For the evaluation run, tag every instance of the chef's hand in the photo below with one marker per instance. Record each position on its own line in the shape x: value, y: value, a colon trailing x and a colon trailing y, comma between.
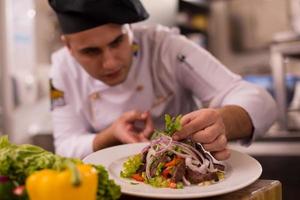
x: 206, y: 127
x: 124, y: 128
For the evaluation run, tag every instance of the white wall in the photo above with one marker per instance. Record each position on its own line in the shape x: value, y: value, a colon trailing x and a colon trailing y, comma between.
x: 161, y: 11
x: 21, y: 45
x: 20, y: 67
x: 5, y: 86
x: 1, y: 65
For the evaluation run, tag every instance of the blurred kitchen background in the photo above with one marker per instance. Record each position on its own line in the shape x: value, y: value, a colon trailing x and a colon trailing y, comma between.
x: 258, y: 39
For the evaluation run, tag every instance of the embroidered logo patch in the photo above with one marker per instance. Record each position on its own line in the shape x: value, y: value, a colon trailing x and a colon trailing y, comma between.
x: 56, y: 96
x: 135, y: 48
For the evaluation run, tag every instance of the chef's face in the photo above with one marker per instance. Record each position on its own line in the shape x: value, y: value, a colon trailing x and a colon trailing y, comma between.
x: 104, y: 52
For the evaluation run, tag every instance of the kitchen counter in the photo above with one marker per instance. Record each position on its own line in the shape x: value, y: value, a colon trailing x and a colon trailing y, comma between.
x: 259, y: 190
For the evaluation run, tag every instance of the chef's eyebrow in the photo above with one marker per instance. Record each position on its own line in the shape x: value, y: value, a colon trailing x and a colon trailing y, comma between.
x: 117, y: 40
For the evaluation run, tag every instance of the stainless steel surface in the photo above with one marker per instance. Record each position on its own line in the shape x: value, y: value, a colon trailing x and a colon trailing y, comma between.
x: 279, y: 52
x: 269, y: 148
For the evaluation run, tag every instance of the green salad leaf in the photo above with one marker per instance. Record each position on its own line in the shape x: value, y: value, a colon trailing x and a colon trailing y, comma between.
x: 172, y: 124
x: 20, y: 161
x: 131, y: 165
x: 158, y: 181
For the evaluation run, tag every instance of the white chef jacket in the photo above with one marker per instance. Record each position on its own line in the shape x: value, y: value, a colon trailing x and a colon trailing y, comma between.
x: 167, y: 74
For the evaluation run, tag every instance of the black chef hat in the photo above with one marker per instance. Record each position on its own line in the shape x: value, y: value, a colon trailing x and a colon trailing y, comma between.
x: 79, y: 15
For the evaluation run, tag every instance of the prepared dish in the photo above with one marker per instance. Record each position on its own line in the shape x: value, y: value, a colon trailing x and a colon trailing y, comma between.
x: 173, y: 164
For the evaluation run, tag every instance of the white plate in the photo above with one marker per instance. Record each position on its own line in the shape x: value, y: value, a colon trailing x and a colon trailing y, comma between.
x: 241, y: 171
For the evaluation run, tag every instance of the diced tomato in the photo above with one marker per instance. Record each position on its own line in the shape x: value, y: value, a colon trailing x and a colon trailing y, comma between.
x: 166, y: 172
x: 172, y: 185
x: 137, y: 177
x: 173, y: 162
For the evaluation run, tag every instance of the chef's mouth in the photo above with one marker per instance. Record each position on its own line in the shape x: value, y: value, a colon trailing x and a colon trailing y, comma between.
x: 114, y: 74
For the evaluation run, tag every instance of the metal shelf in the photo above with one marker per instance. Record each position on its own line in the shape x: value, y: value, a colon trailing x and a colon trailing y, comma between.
x: 280, y: 51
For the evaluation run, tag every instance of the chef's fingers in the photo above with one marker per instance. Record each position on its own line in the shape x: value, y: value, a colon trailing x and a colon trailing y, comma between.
x: 133, y: 115
x: 197, y: 121
x: 221, y: 155
x: 218, y: 144
x: 149, y: 127
x: 209, y: 134
x: 130, y: 137
x: 142, y: 138
x: 188, y: 118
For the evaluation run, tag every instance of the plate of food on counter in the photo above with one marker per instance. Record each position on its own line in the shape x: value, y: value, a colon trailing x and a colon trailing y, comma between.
x: 165, y: 168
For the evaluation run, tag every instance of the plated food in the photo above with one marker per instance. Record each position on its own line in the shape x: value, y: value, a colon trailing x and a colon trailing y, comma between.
x: 172, y: 164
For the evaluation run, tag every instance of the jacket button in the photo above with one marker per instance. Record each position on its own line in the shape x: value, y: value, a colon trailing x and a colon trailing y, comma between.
x: 139, y: 88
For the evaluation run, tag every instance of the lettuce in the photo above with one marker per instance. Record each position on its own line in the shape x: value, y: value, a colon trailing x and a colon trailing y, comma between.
x: 107, y: 189
x: 158, y: 181
x: 131, y: 166
x: 20, y: 161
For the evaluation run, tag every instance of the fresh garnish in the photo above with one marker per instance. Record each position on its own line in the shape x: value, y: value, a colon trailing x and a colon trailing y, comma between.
x: 172, y: 124
x: 172, y: 164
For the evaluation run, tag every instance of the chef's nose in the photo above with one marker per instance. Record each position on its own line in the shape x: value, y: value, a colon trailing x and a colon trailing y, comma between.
x: 109, y: 61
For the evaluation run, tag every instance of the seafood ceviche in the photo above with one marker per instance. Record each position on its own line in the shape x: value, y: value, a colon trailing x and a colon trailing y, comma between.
x: 173, y: 164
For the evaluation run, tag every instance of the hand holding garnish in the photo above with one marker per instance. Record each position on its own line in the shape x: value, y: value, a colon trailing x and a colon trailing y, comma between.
x: 173, y: 164
x: 205, y: 126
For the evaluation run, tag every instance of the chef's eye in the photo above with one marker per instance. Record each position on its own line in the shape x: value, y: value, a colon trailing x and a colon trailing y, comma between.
x: 117, y: 41
x: 90, y: 51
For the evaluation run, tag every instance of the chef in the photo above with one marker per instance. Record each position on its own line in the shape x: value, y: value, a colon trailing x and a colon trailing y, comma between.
x: 112, y: 83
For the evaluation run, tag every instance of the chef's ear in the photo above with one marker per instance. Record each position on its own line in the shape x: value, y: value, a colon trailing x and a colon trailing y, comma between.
x: 65, y: 40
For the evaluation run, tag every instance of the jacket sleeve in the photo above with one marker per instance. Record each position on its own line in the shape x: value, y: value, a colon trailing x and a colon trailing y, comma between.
x: 70, y: 129
x: 216, y: 86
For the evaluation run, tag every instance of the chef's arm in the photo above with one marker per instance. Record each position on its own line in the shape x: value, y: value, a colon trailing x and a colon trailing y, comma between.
x: 104, y: 139
x: 237, y: 122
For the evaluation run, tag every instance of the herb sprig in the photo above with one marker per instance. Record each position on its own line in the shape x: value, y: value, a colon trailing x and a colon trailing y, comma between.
x: 172, y: 124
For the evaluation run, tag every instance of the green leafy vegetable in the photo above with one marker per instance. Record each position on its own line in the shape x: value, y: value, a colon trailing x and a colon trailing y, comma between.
x: 179, y: 185
x: 6, y: 190
x: 131, y: 166
x: 20, y: 161
x: 172, y: 124
x: 159, y: 169
x: 107, y: 189
x: 158, y: 181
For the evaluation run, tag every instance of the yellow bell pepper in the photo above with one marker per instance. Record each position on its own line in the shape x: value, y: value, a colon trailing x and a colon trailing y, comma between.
x: 74, y: 183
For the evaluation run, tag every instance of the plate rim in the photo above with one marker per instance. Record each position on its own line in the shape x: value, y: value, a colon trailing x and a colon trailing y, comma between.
x: 175, y: 196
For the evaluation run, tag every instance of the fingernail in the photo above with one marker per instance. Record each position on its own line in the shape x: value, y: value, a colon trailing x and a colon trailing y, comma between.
x: 144, y: 115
